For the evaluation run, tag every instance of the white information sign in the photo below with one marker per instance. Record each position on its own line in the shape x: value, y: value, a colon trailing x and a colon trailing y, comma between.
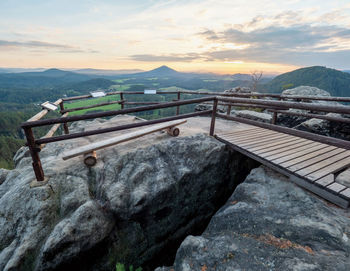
x: 96, y: 94
x: 150, y: 91
x: 49, y: 106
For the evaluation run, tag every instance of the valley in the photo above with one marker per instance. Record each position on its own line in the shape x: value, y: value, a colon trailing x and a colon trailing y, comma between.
x: 21, y: 93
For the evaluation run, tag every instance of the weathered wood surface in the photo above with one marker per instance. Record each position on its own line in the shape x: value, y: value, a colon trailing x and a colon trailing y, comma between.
x: 308, y: 163
x: 90, y: 159
x: 119, y: 139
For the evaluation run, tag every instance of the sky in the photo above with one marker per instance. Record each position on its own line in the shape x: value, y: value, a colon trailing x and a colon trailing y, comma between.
x: 221, y: 36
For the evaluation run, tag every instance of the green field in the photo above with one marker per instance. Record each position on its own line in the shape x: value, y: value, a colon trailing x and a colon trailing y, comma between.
x: 81, y: 103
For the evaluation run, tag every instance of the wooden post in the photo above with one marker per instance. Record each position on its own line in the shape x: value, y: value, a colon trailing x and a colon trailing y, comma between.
x: 213, y: 116
x: 274, y: 116
x: 228, y: 110
x: 122, y: 98
x: 178, y: 107
x: 65, y: 125
x: 34, y: 151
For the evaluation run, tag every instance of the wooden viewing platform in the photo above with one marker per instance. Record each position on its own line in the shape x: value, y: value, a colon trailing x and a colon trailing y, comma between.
x: 310, y: 160
x: 308, y: 163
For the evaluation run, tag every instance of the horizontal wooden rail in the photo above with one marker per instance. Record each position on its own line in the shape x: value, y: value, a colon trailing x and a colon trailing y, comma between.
x: 43, y: 112
x: 114, y: 93
x: 246, y: 105
x: 310, y: 115
x: 121, y: 127
x: 271, y: 95
x: 114, y: 112
x: 287, y: 105
x: 315, y: 137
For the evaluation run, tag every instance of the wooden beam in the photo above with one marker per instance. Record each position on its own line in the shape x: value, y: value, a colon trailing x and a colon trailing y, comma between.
x: 119, y: 139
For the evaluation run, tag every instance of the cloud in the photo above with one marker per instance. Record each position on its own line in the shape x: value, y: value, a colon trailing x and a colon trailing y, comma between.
x: 298, y: 44
x: 167, y: 58
x: 34, y: 44
x: 40, y: 45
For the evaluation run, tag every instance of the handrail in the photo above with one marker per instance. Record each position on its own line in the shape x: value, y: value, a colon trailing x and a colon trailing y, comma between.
x: 120, y: 127
x: 227, y: 99
x: 113, y: 112
x: 288, y: 105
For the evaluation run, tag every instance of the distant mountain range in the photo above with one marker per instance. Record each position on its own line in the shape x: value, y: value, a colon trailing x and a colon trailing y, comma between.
x: 102, y: 72
x: 337, y: 83
x: 334, y: 81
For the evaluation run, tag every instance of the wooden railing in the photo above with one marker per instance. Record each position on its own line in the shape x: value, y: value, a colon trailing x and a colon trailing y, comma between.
x: 279, y: 105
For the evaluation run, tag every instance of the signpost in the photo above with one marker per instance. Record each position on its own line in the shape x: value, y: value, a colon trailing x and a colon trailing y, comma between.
x: 49, y: 106
x: 97, y: 94
x: 150, y: 91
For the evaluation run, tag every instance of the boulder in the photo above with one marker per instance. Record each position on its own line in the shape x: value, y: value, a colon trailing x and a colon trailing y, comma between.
x: 270, y: 224
x: 135, y: 206
x: 239, y: 90
x: 253, y: 115
x: 319, y: 126
x: 344, y: 177
x: 204, y: 107
x: 3, y: 174
x: 309, y: 91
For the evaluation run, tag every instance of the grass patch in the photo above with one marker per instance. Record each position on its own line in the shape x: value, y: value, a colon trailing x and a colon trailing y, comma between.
x: 87, y: 102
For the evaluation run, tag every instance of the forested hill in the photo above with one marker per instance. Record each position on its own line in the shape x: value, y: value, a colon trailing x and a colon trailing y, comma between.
x: 334, y: 81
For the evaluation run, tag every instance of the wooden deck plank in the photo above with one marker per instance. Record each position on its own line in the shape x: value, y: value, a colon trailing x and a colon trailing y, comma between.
x: 312, y: 161
x: 252, y: 137
x: 296, y: 158
x: 308, y: 163
x: 275, y: 145
x: 322, y: 164
x: 247, y: 136
x: 240, y: 132
x: 281, y: 150
x: 293, y: 151
x: 339, y: 199
x: 336, y: 187
x: 329, y: 169
x: 326, y: 180
x: 258, y: 140
x: 345, y: 193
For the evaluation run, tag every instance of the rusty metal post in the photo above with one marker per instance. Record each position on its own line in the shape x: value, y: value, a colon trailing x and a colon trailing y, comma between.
x: 34, y: 151
x: 274, y: 116
x: 178, y: 107
x: 213, y: 116
x: 65, y: 125
x: 122, y: 98
x: 228, y: 110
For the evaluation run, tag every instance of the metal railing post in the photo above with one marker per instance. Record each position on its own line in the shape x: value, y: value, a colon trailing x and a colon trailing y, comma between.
x: 213, y: 116
x: 34, y: 151
x: 65, y: 125
x: 228, y: 110
x: 274, y: 116
x: 121, y: 98
x: 178, y: 107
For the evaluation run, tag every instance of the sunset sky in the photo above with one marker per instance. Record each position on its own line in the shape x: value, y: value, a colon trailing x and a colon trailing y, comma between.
x: 222, y: 36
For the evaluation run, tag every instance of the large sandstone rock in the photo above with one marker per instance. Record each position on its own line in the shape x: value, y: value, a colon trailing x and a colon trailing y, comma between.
x: 133, y: 207
x: 344, y: 177
x: 309, y: 91
x: 3, y: 174
x: 270, y: 224
x: 238, y: 90
x: 319, y: 126
x: 253, y: 115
